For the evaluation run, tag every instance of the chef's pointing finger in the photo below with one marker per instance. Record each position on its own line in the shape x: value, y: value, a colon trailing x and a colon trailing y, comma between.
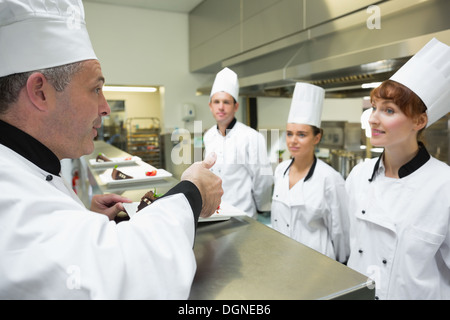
x: 210, y: 160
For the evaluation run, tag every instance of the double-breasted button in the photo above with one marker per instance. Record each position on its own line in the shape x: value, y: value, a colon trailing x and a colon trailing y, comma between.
x: 384, y: 261
x: 49, y: 178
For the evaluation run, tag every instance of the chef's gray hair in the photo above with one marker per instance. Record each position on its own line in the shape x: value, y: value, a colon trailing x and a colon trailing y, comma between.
x: 11, y: 85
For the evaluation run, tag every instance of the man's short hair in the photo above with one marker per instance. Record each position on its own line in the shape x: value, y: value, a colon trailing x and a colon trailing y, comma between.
x: 10, y: 85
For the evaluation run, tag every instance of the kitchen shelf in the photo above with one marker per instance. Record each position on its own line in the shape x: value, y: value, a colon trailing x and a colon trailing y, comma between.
x: 144, y: 139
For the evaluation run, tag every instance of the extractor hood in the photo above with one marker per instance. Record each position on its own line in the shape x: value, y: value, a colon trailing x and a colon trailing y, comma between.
x: 341, y: 56
x: 340, y: 75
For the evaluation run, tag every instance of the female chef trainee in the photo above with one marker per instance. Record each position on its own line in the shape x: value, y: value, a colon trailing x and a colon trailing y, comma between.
x: 399, y: 203
x: 51, y: 246
x: 309, y: 199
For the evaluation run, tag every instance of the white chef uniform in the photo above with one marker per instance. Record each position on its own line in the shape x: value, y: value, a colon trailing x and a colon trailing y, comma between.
x: 242, y: 162
x: 400, y: 228
x: 51, y: 247
x: 314, y: 210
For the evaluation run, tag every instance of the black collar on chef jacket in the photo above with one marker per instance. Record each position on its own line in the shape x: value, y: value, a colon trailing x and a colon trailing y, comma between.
x: 29, y: 148
x: 230, y: 126
x: 419, y: 160
x: 310, y: 172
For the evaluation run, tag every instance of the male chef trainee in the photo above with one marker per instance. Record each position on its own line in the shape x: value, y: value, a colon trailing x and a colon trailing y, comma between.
x: 51, y: 105
x: 242, y: 161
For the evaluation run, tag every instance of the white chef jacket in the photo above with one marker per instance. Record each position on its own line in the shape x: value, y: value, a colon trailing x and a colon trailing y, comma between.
x: 314, y: 210
x: 52, y: 247
x: 399, y: 234
x: 243, y: 166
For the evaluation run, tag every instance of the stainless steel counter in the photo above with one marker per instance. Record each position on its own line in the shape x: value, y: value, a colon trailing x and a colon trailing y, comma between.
x: 243, y: 259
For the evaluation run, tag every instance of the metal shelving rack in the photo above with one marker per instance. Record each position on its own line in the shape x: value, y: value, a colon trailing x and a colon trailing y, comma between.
x: 144, y: 139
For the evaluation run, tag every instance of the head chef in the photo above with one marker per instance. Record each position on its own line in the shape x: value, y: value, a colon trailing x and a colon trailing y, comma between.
x: 51, y: 245
x: 45, y: 48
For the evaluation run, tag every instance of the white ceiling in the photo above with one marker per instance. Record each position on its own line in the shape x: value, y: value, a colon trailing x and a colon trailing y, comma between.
x: 182, y: 6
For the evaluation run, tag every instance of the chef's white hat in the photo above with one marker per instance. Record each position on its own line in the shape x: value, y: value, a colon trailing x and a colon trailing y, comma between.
x: 226, y: 81
x: 306, y: 105
x: 42, y: 34
x: 365, y: 116
x: 427, y: 74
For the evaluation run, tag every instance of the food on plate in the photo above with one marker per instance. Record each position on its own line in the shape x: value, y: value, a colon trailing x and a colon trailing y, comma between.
x: 151, y: 173
x: 146, y: 200
x: 119, y: 175
x: 102, y: 158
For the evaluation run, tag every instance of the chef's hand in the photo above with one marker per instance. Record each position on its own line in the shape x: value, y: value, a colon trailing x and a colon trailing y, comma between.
x: 108, y: 204
x: 209, y: 185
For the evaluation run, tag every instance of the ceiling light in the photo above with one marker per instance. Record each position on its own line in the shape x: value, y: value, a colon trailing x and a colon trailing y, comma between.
x: 370, y: 85
x: 129, y: 89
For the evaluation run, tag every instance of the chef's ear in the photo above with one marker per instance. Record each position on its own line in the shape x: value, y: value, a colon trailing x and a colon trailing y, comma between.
x: 236, y: 106
x: 421, y: 121
x: 37, y: 89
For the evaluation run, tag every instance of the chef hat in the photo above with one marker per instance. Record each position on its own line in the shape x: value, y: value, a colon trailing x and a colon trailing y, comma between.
x: 226, y: 81
x: 427, y: 74
x: 42, y: 34
x: 306, y: 105
x: 365, y: 125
